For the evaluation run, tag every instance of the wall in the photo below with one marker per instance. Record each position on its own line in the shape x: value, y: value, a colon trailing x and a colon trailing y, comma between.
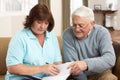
x: 17, y: 23
x: 56, y: 8
x: 5, y: 26
x: 9, y: 25
x: 117, y: 18
x: 114, y: 17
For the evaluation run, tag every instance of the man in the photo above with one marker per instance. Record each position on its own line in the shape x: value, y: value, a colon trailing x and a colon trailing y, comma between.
x: 88, y: 45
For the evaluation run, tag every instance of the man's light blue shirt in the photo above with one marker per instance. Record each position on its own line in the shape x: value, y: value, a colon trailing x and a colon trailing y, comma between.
x: 24, y: 48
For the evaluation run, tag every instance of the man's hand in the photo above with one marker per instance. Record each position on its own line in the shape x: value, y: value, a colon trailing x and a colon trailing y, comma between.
x: 77, y: 67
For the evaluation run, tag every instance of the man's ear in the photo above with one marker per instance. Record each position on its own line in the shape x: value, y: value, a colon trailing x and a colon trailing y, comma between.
x: 92, y: 23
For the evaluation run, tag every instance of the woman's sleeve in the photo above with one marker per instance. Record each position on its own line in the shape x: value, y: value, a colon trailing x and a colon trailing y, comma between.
x: 15, y: 52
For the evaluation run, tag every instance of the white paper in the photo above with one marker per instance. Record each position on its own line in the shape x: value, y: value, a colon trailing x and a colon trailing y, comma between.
x: 64, y: 72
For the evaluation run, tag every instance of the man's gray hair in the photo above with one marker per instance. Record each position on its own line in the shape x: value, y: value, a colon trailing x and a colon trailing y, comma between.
x: 84, y: 12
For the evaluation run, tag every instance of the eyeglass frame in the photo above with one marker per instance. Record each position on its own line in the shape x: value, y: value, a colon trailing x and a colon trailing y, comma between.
x: 79, y: 26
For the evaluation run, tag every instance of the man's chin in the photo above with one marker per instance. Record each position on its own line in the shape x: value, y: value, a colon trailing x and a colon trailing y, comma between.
x: 79, y: 36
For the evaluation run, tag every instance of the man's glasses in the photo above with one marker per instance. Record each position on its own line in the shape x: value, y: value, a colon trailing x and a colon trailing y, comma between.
x: 80, y: 26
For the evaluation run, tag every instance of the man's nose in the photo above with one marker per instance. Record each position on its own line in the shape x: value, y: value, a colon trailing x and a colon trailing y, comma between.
x: 77, y: 28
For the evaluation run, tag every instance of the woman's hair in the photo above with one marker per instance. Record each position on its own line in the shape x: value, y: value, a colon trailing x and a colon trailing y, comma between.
x: 40, y: 12
x: 84, y: 12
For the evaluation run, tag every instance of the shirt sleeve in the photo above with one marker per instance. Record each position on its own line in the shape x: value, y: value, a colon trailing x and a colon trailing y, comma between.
x: 15, y: 52
x: 70, y: 53
x: 58, y: 56
x: 106, y: 60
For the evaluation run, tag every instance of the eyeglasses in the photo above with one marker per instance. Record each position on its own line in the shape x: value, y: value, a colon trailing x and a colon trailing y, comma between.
x: 80, y: 26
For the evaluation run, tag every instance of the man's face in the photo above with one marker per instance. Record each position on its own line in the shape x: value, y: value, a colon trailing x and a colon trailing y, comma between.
x: 81, y: 26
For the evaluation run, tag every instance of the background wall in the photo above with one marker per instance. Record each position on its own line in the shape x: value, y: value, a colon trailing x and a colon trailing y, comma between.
x: 112, y: 20
x: 9, y: 25
x: 56, y: 8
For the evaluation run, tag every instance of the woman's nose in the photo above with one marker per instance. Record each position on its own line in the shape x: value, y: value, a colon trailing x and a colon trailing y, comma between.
x: 42, y: 25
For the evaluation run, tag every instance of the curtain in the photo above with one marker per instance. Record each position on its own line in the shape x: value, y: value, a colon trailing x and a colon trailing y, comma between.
x: 85, y: 2
x: 47, y: 2
x: 66, y: 14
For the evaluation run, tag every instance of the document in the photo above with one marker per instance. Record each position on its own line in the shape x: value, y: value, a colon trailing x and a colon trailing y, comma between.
x: 64, y: 72
x: 63, y: 75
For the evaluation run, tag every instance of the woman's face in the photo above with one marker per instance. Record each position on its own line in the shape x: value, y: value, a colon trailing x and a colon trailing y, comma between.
x: 39, y: 27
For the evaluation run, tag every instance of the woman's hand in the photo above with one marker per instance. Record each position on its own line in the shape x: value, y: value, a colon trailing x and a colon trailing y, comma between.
x: 51, y: 69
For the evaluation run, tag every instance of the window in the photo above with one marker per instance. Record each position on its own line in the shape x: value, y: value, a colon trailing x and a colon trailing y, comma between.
x: 16, y: 7
x: 74, y: 4
x: 68, y: 7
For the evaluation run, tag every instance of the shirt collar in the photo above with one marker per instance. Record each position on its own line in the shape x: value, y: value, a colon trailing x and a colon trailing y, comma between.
x: 89, y: 32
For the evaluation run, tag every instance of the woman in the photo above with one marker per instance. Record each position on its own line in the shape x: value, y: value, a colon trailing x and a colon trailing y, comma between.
x: 31, y: 49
